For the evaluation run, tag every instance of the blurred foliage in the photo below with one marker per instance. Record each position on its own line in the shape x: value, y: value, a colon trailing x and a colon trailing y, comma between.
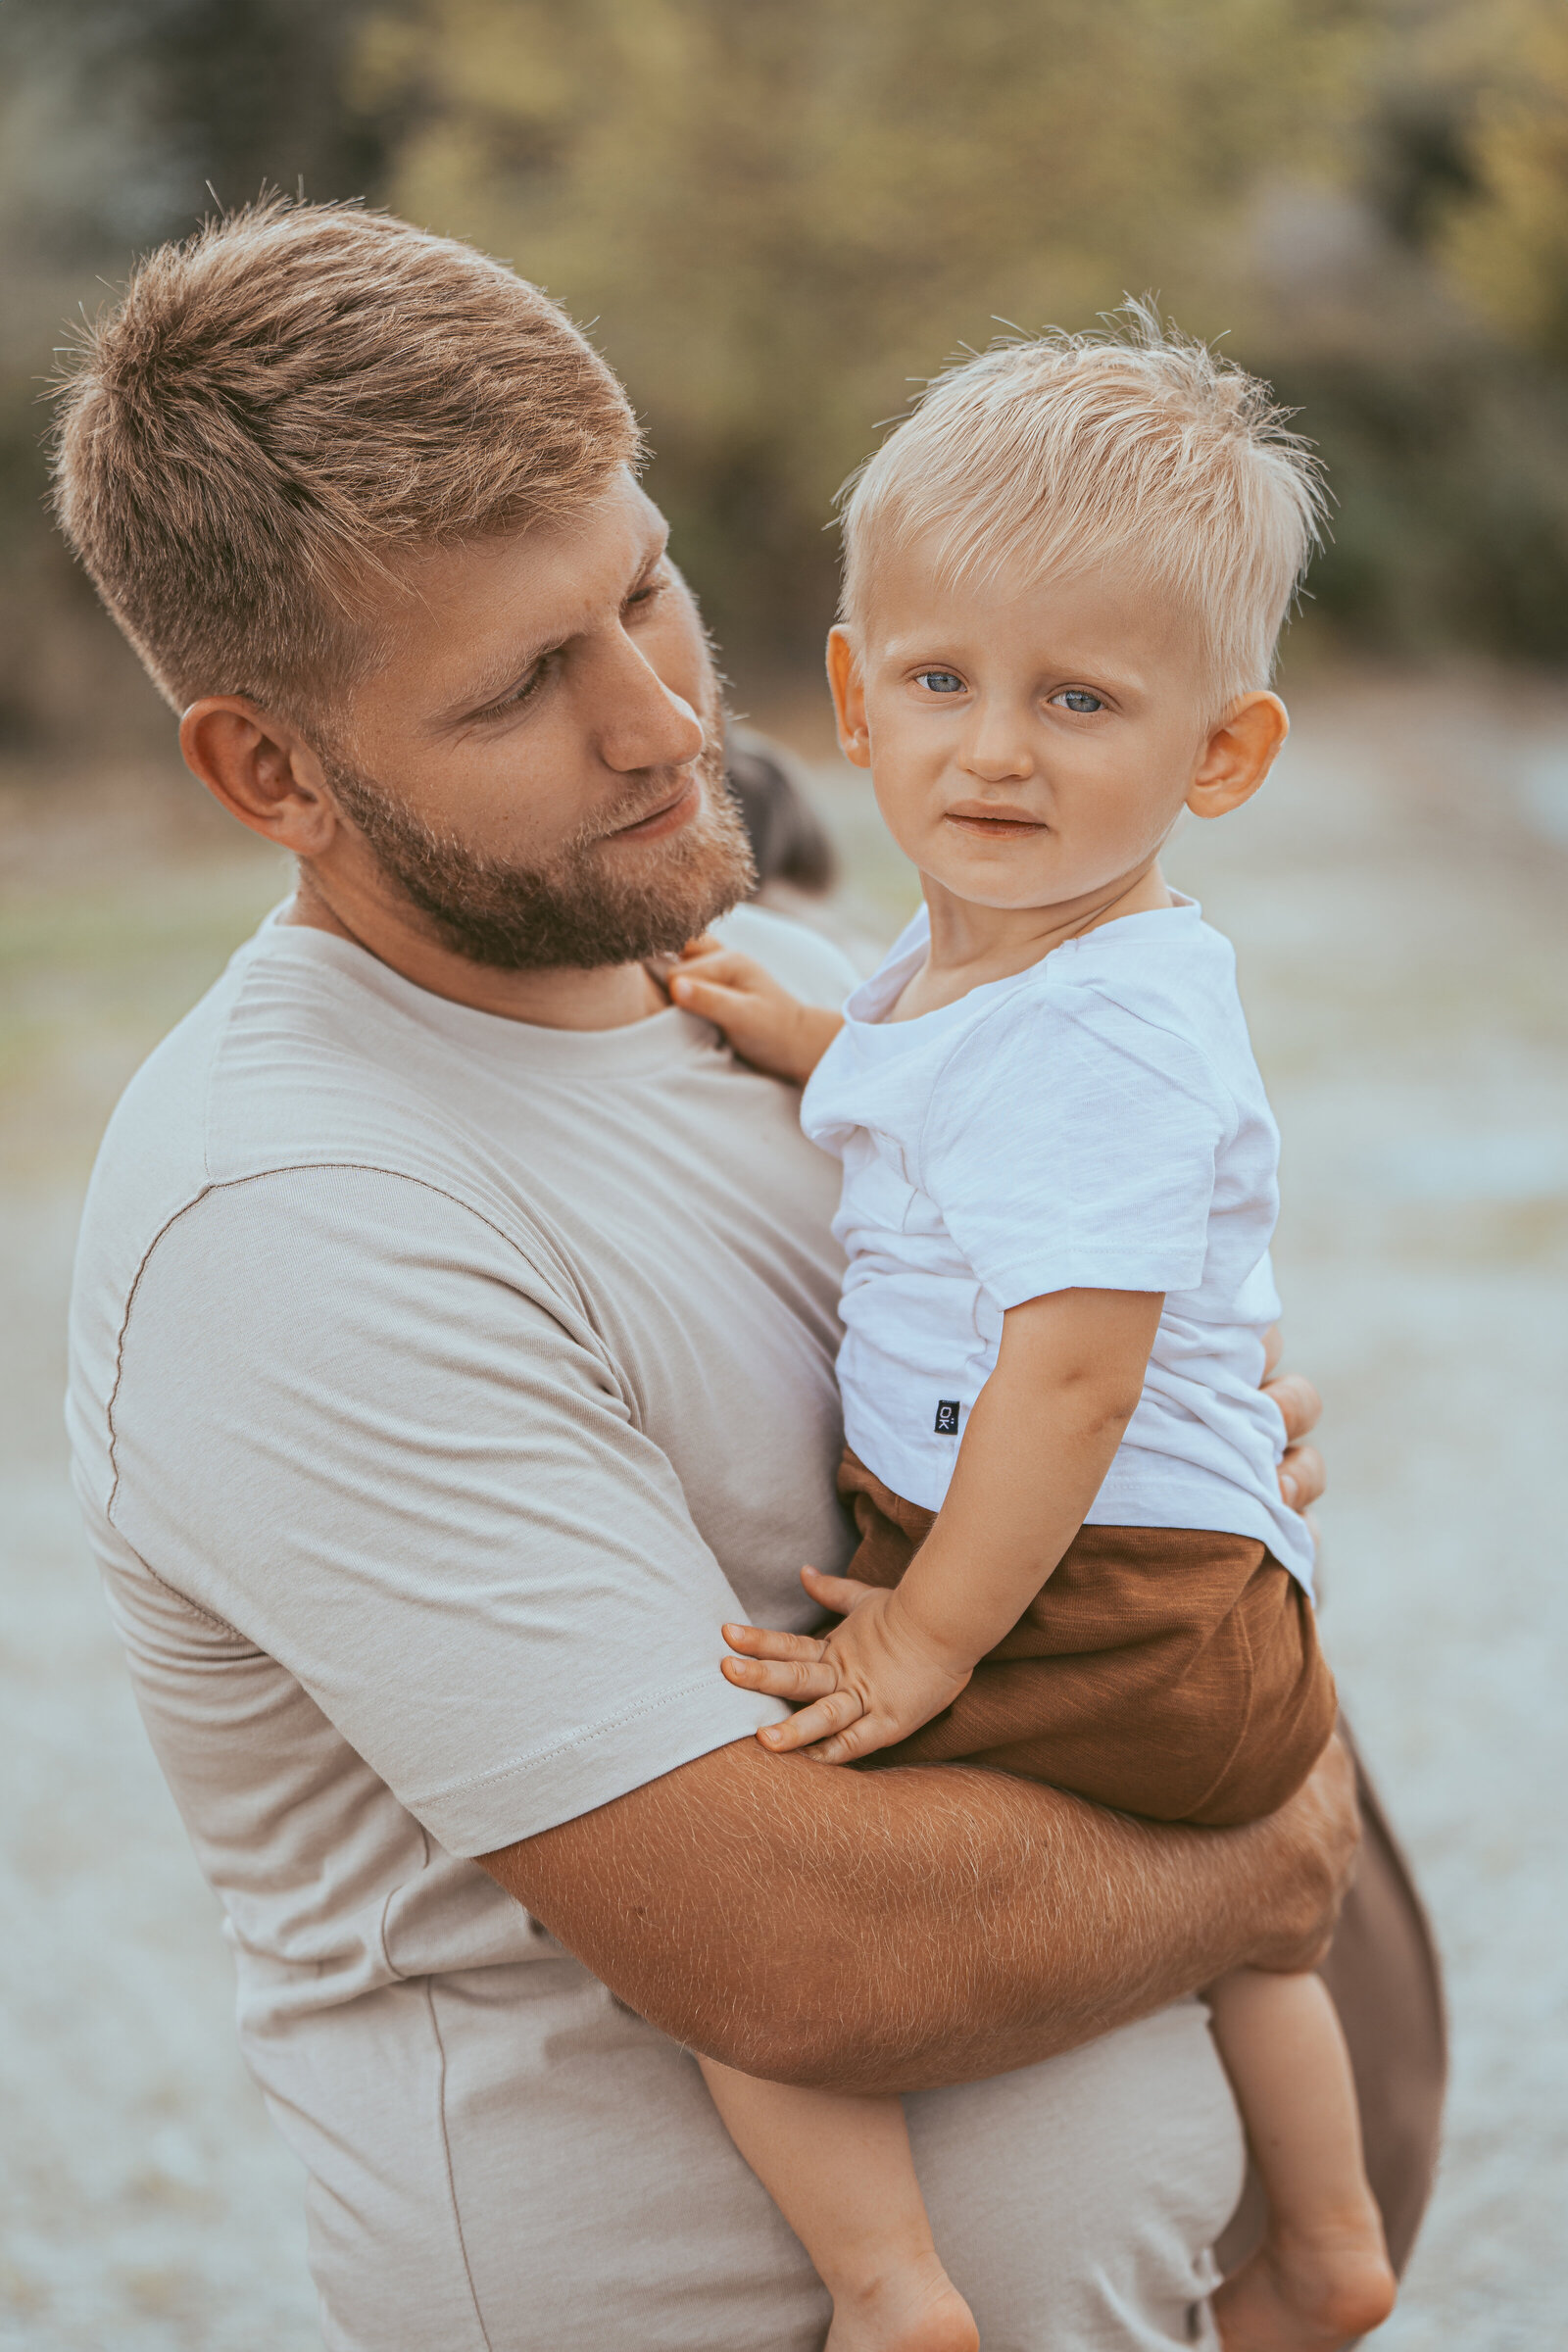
x: 777, y: 214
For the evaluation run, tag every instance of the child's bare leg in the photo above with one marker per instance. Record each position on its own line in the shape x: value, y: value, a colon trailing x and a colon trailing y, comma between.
x: 1322, y: 2277
x: 840, y: 2170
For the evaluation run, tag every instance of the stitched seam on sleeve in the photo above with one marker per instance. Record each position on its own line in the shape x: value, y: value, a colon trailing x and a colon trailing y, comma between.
x: 1181, y: 1037
x: 532, y: 1759
x: 192, y: 1608
x: 302, y: 1168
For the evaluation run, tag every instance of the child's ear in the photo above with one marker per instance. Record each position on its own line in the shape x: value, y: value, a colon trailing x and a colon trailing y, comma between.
x: 1238, y: 755
x: 847, y: 684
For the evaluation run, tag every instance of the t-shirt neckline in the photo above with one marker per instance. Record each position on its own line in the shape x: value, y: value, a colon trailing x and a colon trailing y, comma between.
x: 660, y: 1040
x: 870, y: 1002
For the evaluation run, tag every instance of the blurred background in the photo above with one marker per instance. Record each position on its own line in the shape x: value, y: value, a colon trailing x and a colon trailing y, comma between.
x: 776, y: 218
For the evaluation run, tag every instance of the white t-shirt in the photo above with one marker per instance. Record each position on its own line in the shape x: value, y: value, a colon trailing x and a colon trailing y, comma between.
x: 1095, y: 1122
x: 439, y: 1385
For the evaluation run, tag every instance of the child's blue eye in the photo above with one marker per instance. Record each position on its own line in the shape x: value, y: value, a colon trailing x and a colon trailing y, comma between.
x: 940, y: 681
x: 1076, y: 698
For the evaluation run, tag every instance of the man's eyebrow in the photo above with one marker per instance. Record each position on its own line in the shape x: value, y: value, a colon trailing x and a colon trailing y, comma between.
x: 477, y: 699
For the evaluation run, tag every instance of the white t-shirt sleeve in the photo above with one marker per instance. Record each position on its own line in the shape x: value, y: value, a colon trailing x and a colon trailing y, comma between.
x: 1071, y: 1145
x: 355, y: 1425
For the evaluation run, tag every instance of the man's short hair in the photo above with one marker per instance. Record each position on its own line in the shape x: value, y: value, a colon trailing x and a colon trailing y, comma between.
x: 280, y: 407
x: 1051, y: 454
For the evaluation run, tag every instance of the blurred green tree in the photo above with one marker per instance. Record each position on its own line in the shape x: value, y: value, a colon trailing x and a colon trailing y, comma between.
x: 777, y: 216
x: 118, y: 119
x: 1511, y: 245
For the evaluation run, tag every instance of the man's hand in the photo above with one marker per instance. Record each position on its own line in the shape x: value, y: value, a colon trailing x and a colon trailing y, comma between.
x: 1300, y: 1406
x: 1318, y: 1831
x: 766, y: 1026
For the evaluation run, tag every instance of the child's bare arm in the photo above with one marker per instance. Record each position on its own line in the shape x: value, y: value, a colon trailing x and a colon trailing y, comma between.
x: 766, y: 1026
x: 1040, y: 1439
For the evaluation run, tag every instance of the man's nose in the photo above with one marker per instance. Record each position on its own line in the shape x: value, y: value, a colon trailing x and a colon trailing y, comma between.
x: 644, y: 722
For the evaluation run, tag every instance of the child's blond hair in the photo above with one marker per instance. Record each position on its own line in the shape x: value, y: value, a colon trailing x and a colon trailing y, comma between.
x: 1051, y: 454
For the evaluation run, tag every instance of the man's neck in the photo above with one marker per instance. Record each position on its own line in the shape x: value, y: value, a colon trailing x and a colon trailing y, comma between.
x: 610, y: 997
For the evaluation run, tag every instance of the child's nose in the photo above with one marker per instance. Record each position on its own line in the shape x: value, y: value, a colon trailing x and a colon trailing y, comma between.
x: 998, y: 751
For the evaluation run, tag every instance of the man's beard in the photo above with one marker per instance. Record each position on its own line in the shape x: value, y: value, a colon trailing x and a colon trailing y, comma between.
x: 574, y: 910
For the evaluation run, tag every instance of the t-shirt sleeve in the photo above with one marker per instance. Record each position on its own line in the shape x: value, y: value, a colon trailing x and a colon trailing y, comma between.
x: 352, y: 1423
x: 1072, y: 1145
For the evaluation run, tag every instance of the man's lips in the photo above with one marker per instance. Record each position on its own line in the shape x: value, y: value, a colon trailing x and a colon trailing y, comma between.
x: 670, y: 815
x: 991, y: 823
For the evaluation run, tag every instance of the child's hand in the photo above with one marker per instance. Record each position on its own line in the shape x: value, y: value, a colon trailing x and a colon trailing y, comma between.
x: 766, y: 1026
x: 873, y: 1680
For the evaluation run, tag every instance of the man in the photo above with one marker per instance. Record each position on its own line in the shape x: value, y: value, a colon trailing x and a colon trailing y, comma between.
x: 451, y: 1352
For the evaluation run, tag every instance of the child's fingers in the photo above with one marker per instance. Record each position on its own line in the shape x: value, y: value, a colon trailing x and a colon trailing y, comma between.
x: 780, y: 1678
x: 839, y: 1594
x: 770, y: 1641
x: 835, y: 1713
x: 710, y: 1000
x: 843, y: 1747
x: 710, y: 961
x: 711, y: 964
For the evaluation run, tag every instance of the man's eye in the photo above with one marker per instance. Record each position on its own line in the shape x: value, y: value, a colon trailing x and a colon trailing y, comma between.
x: 526, y: 690
x: 1078, y: 698
x: 940, y: 681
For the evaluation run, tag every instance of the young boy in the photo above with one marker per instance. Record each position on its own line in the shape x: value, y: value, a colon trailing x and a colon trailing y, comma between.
x: 1066, y: 576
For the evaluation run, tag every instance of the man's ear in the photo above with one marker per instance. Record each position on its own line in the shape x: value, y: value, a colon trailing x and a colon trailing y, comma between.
x: 262, y: 770
x: 1239, y: 753
x: 847, y: 684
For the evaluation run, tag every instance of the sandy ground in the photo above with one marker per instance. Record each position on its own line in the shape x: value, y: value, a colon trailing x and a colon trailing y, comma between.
x: 1396, y: 900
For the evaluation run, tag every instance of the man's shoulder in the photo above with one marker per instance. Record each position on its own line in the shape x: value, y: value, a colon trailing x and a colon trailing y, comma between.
x: 292, y: 1056
x: 293, y: 1060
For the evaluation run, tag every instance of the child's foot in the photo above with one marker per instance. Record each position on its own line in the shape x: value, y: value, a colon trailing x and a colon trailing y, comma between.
x: 1309, y: 2292
x: 914, y: 2308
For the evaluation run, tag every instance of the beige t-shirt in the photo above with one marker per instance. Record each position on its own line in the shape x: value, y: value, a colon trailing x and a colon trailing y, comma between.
x: 438, y: 1385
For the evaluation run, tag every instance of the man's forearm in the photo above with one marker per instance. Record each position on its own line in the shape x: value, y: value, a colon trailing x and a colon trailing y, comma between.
x: 889, y: 1930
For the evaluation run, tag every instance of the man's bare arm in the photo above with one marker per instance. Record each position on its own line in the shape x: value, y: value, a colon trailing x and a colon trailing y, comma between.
x: 888, y: 1931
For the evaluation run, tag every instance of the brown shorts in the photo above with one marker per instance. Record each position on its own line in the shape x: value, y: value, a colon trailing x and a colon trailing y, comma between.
x: 1162, y: 1670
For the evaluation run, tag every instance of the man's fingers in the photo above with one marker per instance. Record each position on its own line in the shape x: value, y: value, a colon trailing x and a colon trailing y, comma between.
x: 781, y: 1678
x: 1302, y: 1476
x: 1300, y: 1406
x: 1322, y: 1829
x: 834, y: 1713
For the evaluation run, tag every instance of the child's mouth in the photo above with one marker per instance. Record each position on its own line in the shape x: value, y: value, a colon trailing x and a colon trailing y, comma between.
x: 994, y: 824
